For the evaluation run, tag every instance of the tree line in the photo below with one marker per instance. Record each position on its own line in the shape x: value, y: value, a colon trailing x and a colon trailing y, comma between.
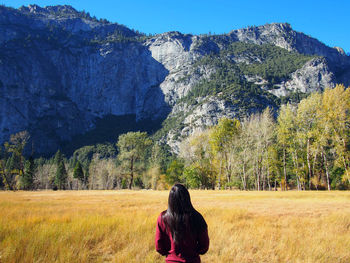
x: 304, y: 146
x: 307, y: 147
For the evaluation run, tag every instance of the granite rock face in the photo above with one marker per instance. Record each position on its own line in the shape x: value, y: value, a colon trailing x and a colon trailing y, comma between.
x: 207, y: 112
x: 315, y: 75
x: 61, y: 69
x: 282, y: 35
x: 57, y: 88
x: 177, y: 53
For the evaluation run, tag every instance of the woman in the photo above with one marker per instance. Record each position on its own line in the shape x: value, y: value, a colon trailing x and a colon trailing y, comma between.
x: 181, y: 233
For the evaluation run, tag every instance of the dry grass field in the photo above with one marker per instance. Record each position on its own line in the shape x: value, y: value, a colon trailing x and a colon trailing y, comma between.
x: 119, y: 226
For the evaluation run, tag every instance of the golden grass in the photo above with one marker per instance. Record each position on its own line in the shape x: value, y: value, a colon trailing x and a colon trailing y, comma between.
x: 119, y: 226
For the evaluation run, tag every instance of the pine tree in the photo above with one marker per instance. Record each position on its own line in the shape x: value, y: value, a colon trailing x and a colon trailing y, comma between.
x: 58, y: 157
x: 78, y: 172
x: 61, y: 173
x: 61, y: 176
x: 27, y: 179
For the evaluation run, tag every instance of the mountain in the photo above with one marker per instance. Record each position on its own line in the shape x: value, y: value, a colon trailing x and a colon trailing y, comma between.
x: 70, y: 79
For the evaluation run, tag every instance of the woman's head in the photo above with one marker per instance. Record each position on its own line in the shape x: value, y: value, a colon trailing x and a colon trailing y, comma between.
x: 181, y: 218
x: 179, y: 201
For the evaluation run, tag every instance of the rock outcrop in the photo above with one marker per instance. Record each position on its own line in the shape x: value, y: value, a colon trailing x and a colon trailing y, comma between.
x: 315, y: 75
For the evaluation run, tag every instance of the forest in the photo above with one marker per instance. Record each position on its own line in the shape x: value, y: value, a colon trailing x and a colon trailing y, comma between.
x: 303, y: 146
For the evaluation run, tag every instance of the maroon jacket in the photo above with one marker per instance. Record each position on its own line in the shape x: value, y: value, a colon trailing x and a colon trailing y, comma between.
x: 187, y: 251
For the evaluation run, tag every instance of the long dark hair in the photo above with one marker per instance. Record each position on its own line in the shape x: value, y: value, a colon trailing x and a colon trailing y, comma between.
x: 180, y: 217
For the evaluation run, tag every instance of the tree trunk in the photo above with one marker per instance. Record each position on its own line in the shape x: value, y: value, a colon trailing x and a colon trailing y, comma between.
x: 131, y: 172
x: 219, y: 179
x: 7, y: 181
x: 268, y: 178
x: 257, y: 176
x: 263, y: 179
x: 303, y: 183
x: 267, y: 169
x: 308, y: 162
x: 227, y: 169
x: 259, y: 172
x: 313, y: 165
x: 244, y: 177
x: 346, y: 169
x: 327, y: 173
x: 295, y: 161
x: 285, y: 169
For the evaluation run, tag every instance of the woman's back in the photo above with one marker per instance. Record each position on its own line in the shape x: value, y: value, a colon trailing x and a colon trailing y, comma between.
x: 181, y: 233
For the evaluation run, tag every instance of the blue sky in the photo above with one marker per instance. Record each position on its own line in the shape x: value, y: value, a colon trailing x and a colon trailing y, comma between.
x: 327, y: 21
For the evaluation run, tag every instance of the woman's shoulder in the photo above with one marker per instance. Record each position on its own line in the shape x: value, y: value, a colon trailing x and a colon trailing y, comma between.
x: 160, y: 220
x: 160, y: 217
x: 162, y: 213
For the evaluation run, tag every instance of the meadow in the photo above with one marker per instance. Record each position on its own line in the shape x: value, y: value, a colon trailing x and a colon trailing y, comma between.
x: 119, y: 226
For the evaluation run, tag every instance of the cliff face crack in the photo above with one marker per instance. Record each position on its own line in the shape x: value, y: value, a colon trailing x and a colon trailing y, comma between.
x: 18, y: 111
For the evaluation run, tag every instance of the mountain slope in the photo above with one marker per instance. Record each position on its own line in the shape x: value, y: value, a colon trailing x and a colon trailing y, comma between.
x: 62, y: 71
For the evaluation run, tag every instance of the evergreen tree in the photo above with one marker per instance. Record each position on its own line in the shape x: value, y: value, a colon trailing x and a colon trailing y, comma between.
x: 61, y: 176
x: 78, y: 172
x: 58, y: 157
x: 27, y: 179
x: 10, y: 173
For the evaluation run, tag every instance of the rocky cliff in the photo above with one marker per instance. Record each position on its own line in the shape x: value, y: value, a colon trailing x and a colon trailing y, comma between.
x: 61, y: 70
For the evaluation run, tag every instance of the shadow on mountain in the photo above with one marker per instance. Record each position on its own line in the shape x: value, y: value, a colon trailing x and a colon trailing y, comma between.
x: 107, y: 130
x: 132, y: 89
x: 57, y: 98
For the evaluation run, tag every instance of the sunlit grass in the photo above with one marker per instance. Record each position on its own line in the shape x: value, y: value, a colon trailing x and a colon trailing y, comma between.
x: 119, y: 226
